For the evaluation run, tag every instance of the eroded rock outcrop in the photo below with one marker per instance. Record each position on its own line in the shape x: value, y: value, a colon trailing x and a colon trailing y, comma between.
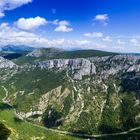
x: 4, y: 63
x: 78, y: 67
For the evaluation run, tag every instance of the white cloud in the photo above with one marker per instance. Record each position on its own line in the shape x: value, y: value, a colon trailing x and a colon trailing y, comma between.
x: 137, y: 45
x: 83, y: 42
x: 63, y: 26
x: 6, y: 5
x: 4, y: 25
x: 94, y: 34
x: 10, y: 35
x: 30, y: 23
x: 133, y: 41
x: 119, y: 48
x: 60, y: 22
x: 33, y: 23
x: 102, y: 18
x: 63, y: 29
x: 107, y: 39
x: 119, y: 42
x: 14, y: 36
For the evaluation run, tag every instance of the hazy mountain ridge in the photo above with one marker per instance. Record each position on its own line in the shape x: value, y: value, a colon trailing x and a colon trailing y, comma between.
x: 43, y: 54
x: 17, y: 49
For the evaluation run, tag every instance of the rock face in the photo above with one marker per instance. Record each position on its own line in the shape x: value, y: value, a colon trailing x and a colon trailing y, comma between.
x: 115, y: 64
x: 104, y: 66
x: 4, y: 63
x: 79, y: 67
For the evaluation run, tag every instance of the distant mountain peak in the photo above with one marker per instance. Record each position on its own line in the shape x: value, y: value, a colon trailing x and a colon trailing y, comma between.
x: 45, y: 52
x: 17, y: 48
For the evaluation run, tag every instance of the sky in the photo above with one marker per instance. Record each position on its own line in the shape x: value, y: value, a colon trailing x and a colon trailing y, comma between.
x: 110, y: 25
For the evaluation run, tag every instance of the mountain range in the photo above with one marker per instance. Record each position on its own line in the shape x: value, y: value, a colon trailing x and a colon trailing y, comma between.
x: 85, y: 93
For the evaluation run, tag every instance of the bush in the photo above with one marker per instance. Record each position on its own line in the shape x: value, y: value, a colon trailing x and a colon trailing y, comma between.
x: 52, y: 118
x: 4, y: 132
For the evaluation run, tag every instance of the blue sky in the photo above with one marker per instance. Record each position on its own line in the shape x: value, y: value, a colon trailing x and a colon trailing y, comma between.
x: 111, y: 25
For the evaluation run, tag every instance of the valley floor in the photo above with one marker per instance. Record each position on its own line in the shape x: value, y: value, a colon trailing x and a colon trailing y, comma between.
x: 25, y: 130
